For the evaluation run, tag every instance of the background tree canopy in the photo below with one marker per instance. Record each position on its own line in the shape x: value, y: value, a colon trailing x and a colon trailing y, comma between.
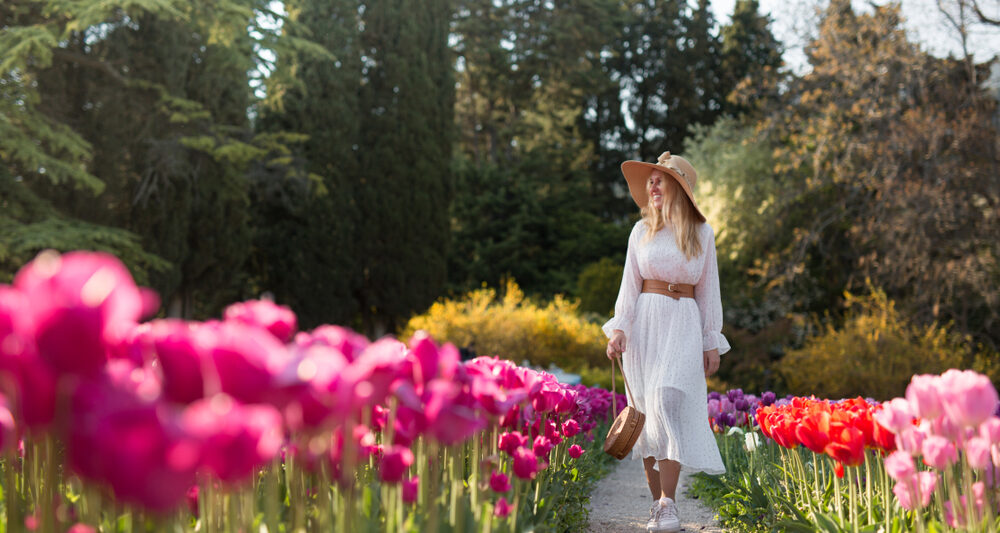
x: 358, y: 160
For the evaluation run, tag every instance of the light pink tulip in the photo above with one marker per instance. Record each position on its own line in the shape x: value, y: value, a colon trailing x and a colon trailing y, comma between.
x: 895, y: 415
x: 977, y: 452
x: 899, y: 465
x: 939, y: 452
x: 990, y: 429
x: 911, y: 440
x: 955, y: 514
x: 915, y: 492
x: 968, y: 397
x: 924, y: 397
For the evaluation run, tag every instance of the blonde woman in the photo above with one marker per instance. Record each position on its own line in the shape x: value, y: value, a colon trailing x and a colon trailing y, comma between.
x: 667, y: 328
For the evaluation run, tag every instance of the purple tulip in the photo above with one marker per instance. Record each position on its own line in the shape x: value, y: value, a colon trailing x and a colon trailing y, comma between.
x: 733, y: 394
x: 768, y: 398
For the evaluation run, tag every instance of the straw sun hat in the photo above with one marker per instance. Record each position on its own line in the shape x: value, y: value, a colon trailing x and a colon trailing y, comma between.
x: 637, y: 174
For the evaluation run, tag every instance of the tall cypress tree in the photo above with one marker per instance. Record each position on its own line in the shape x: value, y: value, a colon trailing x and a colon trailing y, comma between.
x: 306, y: 253
x: 407, y: 98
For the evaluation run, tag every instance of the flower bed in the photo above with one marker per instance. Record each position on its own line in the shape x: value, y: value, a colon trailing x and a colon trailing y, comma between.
x: 245, y: 422
x: 926, y: 462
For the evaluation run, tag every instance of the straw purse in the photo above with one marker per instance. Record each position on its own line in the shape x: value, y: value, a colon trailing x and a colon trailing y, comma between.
x: 628, y: 424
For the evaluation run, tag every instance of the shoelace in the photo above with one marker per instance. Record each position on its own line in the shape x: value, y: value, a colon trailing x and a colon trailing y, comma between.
x: 669, y: 511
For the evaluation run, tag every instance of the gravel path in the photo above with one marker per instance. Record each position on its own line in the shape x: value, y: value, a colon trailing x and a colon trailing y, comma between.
x: 621, y: 501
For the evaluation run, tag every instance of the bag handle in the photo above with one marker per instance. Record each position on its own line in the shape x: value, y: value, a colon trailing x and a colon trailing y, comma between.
x: 614, y: 395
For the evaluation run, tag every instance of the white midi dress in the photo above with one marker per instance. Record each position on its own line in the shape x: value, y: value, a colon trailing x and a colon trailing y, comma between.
x: 664, y: 341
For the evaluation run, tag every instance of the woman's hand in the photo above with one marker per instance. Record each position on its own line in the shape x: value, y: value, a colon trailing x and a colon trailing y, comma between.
x: 616, y: 344
x: 711, y: 361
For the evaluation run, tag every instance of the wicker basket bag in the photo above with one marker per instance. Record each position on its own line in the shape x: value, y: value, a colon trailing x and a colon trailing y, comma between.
x: 628, y: 424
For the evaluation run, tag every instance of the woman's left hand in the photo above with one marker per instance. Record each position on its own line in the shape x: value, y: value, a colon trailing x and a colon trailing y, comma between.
x: 711, y: 362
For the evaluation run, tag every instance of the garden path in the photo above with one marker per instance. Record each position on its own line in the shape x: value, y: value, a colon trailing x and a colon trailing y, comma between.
x: 620, y: 503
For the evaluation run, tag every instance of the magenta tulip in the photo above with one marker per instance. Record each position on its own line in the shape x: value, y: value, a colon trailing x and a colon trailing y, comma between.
x: 395, y: 462
x: 410, y: 489
x: 512, y: 440
x: 279, y: 320
x: 502, y: 508
x: 233, y: 439
x: 575, y: 451
x: 525, y: 464
x: 499, y: 482
x: 542, y: 446
x: 570, y: 428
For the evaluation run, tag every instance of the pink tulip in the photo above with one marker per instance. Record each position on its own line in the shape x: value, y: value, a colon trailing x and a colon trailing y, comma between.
x: 512, y: 440
x: 502, y: 508
x: 279, y: 320
x: 552, y: 432
x: 955, y: 514
x: 499, y: 482
x: 395, y: 462
x: 570, y: 428
x: 990, y: 430
x: 347, y: 342
x: 246, y: 360
x: 575, y: 451
x: 915, y: 492
x: 82, y: 305
x: 924, y: 397
x: 968, y: 397
x: 911, y: 440
x: 410, y: 489
x: 178, y: 346
x: 542, y: 446
x: 899, y: 465
x: 233, y: 439
x: 977, y: 452
x: 525, y: 464
x: 192, y: 500
x: 895, y: 415
x: 81, y: 528
x: 939, y: 452
x: 429, y: 361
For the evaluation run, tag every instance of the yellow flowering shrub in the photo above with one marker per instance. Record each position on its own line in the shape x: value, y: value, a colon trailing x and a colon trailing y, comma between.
x: 874, y: 354
x: 515, y: 327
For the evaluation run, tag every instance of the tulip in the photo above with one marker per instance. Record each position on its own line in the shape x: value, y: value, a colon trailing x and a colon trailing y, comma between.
x: 395, y: 462
x: 499, y: 482
x: 911, y: 440
x: 968, y: 397
x: 81, y: 528
x: 542, y: 446
x: 915, y: 493
x: 923, y: 396
x: 990, y: 429
x: 955, y: 513
x: 502, y: 508
x: 410, y: 489
x: 575, y: 451
x: 234, y: 439
x: 525, y: 464
x: 977, y: 452
x: 768, y: 398
x: 938, y: 452
x: 895, y: 415
x: 279, y: 320
x: 512, y: 440
x: 899, y: 465
x: 570, y: 428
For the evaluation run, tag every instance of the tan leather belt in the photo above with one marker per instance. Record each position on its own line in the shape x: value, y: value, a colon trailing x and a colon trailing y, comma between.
x: 673, y: 290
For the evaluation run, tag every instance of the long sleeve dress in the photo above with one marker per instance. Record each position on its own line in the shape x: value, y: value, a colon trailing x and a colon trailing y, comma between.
x: 665, y: 338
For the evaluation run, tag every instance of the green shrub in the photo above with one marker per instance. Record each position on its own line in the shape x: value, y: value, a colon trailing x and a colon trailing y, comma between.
x: 597, y: 286
x: 515, y: 327
x: 874, y: 354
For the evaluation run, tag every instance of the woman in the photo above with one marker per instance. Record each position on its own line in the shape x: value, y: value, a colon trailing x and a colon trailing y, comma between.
x: 668, y: 321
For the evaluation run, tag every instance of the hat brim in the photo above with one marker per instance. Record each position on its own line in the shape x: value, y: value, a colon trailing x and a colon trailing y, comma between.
x: 637, y: 174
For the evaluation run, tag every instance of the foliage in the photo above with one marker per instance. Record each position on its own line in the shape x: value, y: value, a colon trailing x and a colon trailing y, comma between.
x: 515, y: 327
x: 597, y: 286
x: 872, y: 354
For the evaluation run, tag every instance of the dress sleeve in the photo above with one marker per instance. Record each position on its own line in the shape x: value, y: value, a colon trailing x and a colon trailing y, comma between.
x: 707, y: 294
x: 628, y: 293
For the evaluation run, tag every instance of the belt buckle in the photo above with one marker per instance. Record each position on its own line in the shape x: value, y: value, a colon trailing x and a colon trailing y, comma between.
x: 670, y: 288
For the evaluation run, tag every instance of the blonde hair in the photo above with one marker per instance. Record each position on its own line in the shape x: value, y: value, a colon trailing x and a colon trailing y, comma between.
x: 682, y: 215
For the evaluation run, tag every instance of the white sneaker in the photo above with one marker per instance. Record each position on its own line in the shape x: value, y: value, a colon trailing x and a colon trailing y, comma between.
x: 666, y: 520
x: 652, y: 514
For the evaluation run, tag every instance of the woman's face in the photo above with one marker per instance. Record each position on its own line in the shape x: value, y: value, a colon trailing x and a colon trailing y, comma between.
x: 657, y: 188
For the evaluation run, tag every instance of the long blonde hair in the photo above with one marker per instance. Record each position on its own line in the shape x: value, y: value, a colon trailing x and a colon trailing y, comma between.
x: 682, y: 215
